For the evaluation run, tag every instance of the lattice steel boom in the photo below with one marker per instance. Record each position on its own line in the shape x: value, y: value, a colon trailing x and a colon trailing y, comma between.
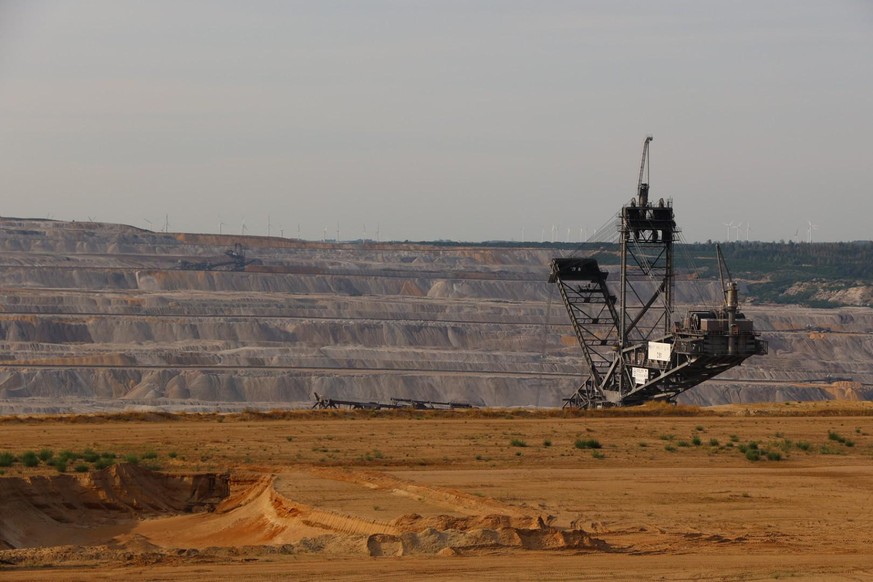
x: 634, y: 351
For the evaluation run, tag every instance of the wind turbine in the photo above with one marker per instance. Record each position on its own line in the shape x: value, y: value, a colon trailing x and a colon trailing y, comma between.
x: 729, y: 227
x: 166, y: 223
x: 242, y: 228
x: 748, y: 230
x: 737, y: 231
x: 151, y: 226
x: 268, y: 225
x: 811, y: 228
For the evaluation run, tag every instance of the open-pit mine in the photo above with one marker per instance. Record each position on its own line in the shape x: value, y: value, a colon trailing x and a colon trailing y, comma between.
x: 109, y: 317
x: 155, y: 392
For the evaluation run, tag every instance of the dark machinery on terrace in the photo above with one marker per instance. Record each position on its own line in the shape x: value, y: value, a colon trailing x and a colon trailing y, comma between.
x: 634, y: 351
x: 236, y: 262
x: 323, y: 403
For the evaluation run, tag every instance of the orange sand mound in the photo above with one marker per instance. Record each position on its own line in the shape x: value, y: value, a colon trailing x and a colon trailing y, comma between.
x: 131, y: 508
x: 94, y: 507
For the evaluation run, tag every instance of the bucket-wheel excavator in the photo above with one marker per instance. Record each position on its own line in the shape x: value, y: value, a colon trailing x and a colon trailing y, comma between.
x: 634, y: 350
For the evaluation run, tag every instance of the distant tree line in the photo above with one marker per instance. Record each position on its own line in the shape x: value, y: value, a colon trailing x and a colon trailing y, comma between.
x: 769, y: 268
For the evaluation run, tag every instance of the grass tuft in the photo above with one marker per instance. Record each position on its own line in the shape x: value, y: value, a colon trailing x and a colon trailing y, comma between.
x: 588, y: 444
x: 29, y: 459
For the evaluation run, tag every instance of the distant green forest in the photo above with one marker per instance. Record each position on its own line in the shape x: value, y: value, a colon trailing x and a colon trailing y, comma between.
x: 810, y: 270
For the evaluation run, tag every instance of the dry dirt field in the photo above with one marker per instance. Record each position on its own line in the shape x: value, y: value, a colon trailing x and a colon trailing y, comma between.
x: 670, y: 494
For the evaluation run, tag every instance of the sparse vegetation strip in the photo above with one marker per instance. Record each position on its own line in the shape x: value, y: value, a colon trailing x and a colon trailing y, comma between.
x: 81, y: 462
x: 653, y: 410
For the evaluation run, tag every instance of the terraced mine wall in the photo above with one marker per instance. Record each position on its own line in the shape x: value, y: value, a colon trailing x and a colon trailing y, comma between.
x: 102, y: 317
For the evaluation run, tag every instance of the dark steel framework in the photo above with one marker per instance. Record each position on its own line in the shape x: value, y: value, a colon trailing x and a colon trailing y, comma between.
x: 634, y: 351
x: 324, y: 403
x: 236, y: 261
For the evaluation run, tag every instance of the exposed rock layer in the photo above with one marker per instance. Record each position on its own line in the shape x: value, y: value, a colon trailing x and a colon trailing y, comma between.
x: 101, y: 316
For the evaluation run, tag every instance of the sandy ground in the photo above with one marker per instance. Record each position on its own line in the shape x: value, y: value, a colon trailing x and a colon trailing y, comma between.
x: 449, y: 496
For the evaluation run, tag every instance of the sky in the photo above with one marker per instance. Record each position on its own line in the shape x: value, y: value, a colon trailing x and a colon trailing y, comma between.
x: 447, y: 119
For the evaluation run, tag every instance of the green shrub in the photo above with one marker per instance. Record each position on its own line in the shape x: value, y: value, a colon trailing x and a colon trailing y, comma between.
x: 696, y: 441
x: 598, y: 455
x: 29, y: 459
x: 588, y: 444
x: 90, y: 455
x: 683, y: 444
x: 713, y: 442
x: 60, y: 465
x: 67, y: 455
x: 517, y: 443
x: 150, y: 455
x: 670, y: 448
x: 803, y: 445
x: 774, y: 456
x: 102, y: 463
x: 6, y: 459
x: 45, y: 455
x: 81, y: 468
x: 547, y: 443
x: 172, y: 454
x: 753, y: 454
x: 108, y: 455
x: 132, y: 459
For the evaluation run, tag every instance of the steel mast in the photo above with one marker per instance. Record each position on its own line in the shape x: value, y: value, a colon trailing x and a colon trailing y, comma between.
x: 634, y: 351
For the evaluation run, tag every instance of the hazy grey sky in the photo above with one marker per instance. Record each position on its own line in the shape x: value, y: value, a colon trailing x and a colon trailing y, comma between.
x: 466, y: 120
